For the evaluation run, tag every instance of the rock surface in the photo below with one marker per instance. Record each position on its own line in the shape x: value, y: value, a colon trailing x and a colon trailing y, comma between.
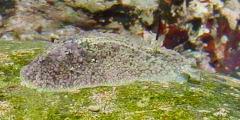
x: 31, y: 20
x: 95, y: 59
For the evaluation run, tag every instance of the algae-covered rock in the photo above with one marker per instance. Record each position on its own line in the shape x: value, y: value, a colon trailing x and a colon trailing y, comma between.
x: 95, y: 59
x: 209, y: 98
x: 91, y: 5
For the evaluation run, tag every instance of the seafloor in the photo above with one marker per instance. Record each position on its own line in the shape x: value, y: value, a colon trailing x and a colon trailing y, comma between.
x: 208, y: 99
x: 206, y: 31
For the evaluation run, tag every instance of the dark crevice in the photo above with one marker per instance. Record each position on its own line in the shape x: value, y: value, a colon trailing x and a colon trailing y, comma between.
x: 7, y: 8
x: 121, y: 14
x: 177, y: 2
x: 196, y: 23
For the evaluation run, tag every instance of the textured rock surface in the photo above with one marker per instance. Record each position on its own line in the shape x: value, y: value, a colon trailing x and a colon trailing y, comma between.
x: 144, y: 8
x: 38, y: 19
x: 95, y: 59
x: 33, y: 19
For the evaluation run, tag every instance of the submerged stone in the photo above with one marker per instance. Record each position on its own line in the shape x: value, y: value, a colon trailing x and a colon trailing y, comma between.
x: 101, y: 59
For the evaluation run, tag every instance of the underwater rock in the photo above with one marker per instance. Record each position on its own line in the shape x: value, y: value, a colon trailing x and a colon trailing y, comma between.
x: 206, y: 27
x: 32, y: 20
x: 92, y: 5
x: 97, y: 59
x: 94, y: 108
x: 144, y: 8
x: 7, y: 36
x: 232, y: 12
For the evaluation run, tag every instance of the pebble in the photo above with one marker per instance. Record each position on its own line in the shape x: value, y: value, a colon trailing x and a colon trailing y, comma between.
x: 94, y: 108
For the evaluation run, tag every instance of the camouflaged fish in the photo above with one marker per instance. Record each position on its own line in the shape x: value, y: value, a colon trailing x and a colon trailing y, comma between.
x: 104, y: 59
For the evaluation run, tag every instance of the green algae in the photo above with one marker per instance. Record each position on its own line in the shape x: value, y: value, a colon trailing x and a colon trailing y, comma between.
x: 17, y: 54
x: 208, y: 99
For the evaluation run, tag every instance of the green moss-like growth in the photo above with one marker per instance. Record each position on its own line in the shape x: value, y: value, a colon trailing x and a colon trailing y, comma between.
x: 15, y: 55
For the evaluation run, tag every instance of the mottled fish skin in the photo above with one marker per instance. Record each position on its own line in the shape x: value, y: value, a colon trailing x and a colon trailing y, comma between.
x: 104, y: 59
